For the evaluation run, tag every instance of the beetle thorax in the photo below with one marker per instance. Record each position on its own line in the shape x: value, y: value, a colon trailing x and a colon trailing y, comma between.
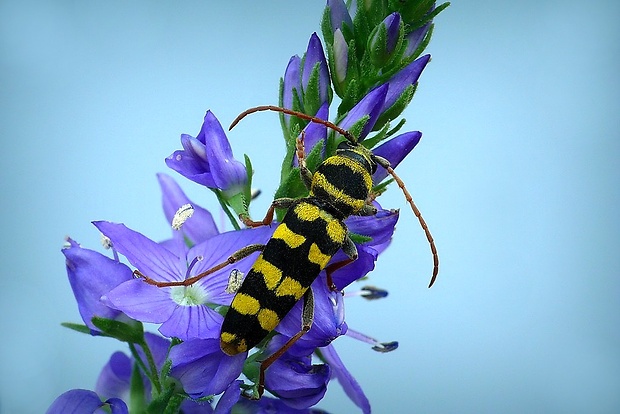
x: 344, y: 181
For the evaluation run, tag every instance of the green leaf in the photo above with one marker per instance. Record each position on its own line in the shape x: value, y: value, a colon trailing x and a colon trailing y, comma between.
x: 359, y: 238
x: 247, y: 191
x: 312, y: 94
x: 350, y: 98
x: 77, y: 327
x: 125, y: 332
x: 160, y: 402
x: 372, y: 142
x: 326, y: 26
x: 382, y: 188
x: 137, y: 396
x: 239, y: 203
x: 357, y: 128
x: 174, y: 404
x: 315, y: 157
x: 397, y: 107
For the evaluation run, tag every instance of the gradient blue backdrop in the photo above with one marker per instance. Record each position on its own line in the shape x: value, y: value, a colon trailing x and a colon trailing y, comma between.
x: 516, y: 174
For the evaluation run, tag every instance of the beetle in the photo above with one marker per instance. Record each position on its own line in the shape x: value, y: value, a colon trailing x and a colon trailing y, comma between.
x: 310, y: 234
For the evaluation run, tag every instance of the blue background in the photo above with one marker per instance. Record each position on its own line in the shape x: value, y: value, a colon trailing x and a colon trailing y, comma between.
x: 516, y: 174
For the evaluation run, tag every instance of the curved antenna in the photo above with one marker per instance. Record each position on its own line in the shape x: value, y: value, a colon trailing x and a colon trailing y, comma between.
x: 349, y: 136
x: 386, y: 164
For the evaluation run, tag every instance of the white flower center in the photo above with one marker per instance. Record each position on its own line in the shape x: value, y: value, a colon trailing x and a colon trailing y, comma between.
x: 188, y: 295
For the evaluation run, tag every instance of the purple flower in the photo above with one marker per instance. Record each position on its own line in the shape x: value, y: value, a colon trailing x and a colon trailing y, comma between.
x: 395, y: 150
x: 349, y: 384
x: 203, y: 369
x: 341, y: 61
x: 405, y: 78
x: 228, y: 399
x: 183, y: 311
x: 315, y: 81
x: 295, y: 380
x: 200, y: 226
x: 267, y: 405
x: 91, y: 276
x: 370, y: 105
x: 384, y: 39
x: 291, y: 94
x: 315, y: 132
x: 414, y: 39
x: 114, y: 379
x: 84, y: 402
x: 338, y: 15
x: 208, y: 159
x: 328, y: 323
x: 380, y: 229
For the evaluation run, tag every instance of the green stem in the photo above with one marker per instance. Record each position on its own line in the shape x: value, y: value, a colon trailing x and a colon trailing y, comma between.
x: 151, y: 370
x: 231, y: 217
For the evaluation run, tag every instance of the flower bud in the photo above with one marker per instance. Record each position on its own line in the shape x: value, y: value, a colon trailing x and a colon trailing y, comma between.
x: 385, y: 39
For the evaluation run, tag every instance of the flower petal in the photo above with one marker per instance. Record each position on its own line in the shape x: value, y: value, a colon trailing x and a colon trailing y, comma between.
x: 80, y: 401
x: 217, y: 250
x: 114, y: 379
x: 208, y: 158
x: 295, y: 380
x: 339, y: 15
x: 229, y: 398
x: 91, y: 276
x: 395, y: 150
x: 197, y: 228
x: 291, y: 86
x: 409, y: 75
x: 188, y: 322
x: 314, y: 54
x: 315, y: 132
x: 202, y: 368
x: 151, y: 258
x: 143, y: 302
x: 370, y: 105
x: 349, y: 384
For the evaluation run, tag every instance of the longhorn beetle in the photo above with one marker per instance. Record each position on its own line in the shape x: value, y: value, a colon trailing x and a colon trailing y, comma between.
x: 310, y: 234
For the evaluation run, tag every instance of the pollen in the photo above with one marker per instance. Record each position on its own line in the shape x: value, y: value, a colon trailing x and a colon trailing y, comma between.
x: 234, y: 281
x: 245, y: 304
x: 180, y: 217
x: 106, y: 242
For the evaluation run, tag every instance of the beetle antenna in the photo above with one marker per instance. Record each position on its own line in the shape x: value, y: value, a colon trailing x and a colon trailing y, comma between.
x: 386, y: 164
x: 349, y: 136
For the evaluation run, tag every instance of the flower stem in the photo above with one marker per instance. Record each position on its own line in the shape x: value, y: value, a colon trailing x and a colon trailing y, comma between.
x: 231, y: 217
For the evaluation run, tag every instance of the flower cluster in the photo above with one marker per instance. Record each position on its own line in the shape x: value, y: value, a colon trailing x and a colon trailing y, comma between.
x: 371, y: 59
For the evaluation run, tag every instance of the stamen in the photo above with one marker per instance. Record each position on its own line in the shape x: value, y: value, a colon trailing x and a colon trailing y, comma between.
x: 180, y: 217
x: 68, y: 243
x: 254, y: 193
x: 191, y: 266
x: 372, y: 292
x: 376, y: 345
x: 107, y: 244
x: 234, y: 281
